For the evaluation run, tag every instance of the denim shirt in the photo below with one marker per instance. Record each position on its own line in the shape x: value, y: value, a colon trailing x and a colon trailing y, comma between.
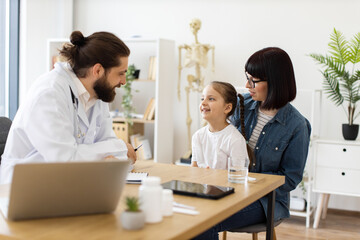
x: 281, y: 149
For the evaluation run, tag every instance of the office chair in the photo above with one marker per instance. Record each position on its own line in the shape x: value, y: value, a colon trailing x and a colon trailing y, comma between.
x: 254, y: 229
x: 5, y: 124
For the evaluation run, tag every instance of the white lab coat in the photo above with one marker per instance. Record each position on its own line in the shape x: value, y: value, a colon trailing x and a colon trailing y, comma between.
x: 46, y: 126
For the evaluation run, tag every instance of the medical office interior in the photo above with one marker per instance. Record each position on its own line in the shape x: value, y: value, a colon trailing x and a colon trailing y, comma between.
x: 236, y: 29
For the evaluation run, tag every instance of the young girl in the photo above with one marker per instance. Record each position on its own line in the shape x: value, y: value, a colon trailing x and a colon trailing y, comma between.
x: 213, y: 144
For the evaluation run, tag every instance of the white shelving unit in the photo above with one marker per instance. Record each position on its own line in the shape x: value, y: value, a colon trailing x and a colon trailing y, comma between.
x: 309, y: 208
x: 53, y: 47
x: 308, y: 103
x: 160, y: 131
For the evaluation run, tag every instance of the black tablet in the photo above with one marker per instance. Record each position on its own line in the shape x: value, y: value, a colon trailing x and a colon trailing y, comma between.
x: 197, y: 189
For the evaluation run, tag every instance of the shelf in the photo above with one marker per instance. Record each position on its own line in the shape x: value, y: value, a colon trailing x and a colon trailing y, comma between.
x: 135, y: 120
x: 143, y: 80
x: 160, y: 130
x: 53, y: 46
x: 177, y: 162
x: 302, y: 213
x: 308, y: 182
x: 309, y: 209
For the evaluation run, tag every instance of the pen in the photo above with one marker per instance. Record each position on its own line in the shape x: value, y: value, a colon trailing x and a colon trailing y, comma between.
x: 138, y: 147
x: 179, y: 205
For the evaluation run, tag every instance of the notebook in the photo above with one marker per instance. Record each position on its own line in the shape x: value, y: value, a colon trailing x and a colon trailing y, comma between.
x: 40, y: 190
x: 136, y: 177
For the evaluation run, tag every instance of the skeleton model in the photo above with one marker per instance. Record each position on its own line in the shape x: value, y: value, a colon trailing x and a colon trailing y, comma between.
x: 195, y: 56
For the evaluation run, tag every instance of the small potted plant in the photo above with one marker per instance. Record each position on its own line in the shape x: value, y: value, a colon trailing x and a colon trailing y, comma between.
x: 132, y: 218
x: 341, y: 77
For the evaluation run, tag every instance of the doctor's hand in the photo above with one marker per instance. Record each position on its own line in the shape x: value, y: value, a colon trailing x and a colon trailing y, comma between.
x: 131, y: 152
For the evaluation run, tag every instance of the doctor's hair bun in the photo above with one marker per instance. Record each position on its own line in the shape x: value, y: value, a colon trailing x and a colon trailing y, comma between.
x: 77, y: 38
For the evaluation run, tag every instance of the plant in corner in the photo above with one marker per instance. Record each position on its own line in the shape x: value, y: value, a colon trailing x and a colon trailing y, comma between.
x: 132, y: 218
x: 341, y: 78
x: 127, y: 96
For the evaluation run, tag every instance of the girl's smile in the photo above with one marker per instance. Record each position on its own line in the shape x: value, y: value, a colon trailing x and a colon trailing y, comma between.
x: 214, y: 109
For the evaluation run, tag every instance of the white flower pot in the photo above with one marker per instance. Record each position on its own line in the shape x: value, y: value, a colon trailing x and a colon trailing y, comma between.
x: 132, y: 220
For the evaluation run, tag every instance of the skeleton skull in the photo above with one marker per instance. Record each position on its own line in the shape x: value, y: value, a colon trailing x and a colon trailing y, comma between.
x: 195, y: 25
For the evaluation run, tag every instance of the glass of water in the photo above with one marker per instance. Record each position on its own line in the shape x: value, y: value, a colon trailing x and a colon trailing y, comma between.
x: 238, y: 170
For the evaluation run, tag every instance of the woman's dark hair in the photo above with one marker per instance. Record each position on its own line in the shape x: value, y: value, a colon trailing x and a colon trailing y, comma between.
x: 274, y: 65
x: 228, y: 92
x: 100, y: 47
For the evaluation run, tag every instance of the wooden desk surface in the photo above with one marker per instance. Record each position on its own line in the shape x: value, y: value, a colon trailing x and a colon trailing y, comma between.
x: 178, y: 226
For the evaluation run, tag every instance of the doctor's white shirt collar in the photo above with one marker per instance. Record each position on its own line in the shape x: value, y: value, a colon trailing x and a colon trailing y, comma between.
x: 84, y: 95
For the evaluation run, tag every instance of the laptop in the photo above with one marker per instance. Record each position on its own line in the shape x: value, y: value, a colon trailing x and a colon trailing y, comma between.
x: 42, y: 190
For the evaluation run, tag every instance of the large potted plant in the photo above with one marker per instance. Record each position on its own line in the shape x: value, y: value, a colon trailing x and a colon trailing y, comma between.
x: 126, y: 103
x: 341, y: 77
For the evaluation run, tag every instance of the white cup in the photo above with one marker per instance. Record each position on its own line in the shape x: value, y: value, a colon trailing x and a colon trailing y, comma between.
x: 238, y: 170
x: 167, y: 202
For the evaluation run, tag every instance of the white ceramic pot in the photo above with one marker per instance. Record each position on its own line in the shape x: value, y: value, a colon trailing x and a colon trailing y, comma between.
x: 132, y: 220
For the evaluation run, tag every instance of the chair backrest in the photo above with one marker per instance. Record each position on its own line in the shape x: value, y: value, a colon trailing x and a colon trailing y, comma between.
x: 5, y: 124
x: 308, y: 103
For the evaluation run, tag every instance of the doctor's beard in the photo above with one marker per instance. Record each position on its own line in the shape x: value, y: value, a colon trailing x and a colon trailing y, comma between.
x: 103, y: 90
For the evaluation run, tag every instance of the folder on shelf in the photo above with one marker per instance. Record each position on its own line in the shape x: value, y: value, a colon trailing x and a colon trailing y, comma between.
x: 135, y: 141
x: 151, y: 114
x: 121, y: 130
x: 145, y: 151
x: 148, y: 108
x: 152, y: 68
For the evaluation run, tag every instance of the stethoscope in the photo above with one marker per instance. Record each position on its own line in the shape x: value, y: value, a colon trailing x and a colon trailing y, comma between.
x: 76, y: 103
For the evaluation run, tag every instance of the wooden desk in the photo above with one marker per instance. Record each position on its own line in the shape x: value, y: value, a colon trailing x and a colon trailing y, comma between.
x: 179, y: 226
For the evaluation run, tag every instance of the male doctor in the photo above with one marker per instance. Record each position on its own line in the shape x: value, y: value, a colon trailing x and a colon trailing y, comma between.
x: 66, y: 114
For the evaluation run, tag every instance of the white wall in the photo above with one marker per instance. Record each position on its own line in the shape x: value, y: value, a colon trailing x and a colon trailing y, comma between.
x: 40, y: 20
x: 237, y: 28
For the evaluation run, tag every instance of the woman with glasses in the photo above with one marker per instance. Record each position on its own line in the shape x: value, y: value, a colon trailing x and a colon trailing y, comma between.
x: 275, y: 131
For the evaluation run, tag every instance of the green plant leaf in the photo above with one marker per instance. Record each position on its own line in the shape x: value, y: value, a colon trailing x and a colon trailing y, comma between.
x: 332, y: 66
x: 339, y: 47
x: 127, y: 96
x: 357, y: 74
x: 354, y: 54
x: 332, y: 88
x: 132, y: 204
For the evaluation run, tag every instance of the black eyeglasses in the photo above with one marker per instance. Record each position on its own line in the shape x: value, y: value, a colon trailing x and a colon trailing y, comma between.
x: 252, y: 82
